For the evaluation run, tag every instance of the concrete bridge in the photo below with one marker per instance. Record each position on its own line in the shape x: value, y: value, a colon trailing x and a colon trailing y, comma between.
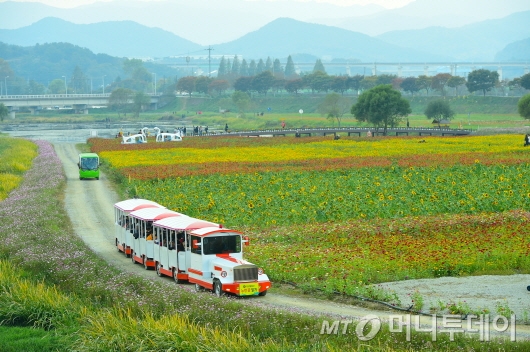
x: 81, y: 103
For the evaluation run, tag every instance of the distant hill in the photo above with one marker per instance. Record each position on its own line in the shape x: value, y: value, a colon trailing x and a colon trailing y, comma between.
x: 121, y: 39
x: 518, y: 51
x: 286, y: 36
x: 475, y: 42
x: 45, y: 62
x: 421, y: 14
x: 280, y: 38
x: 201, y: 21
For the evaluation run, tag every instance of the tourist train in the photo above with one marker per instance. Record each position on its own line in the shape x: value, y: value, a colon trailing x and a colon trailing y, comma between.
x: 187, y: 249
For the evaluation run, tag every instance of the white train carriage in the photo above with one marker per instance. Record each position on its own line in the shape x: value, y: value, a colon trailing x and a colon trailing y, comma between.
x: 143, y: 239
x: 216, y: 263
x: 123, y: 224
x: 171, y: 253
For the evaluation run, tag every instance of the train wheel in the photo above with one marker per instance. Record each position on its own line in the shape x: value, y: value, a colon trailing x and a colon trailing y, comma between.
x: 175, y: 276
x: 217, y: 288
x: 198, y: 288
x: 144, y: 260
x: 132, y: 257
x: 158, y: 269
x: 263, y: 293
x: 117, y: 245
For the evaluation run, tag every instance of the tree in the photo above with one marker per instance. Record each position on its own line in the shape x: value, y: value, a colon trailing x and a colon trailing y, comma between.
x: 339, y: 84
x: 260, y: 67
x: 3, y: 111
x: 202, y: 84
x: 236, y: 68
x: 277, y: 69
x: 290, y: 70
x: 334, y: 106
x: 241, y: 100
x: 396, y: 83
x: 354, y: 82
x: 293, y: 86
x: 368, y: 82
x: 318, y: 81
x: 525, y: 81
x: 455, y: 82
x: 186, y: 84
x: 440, y: 81
x: 5, y: 69
x: 244, y: 68
x: 482, y: 80
x: 278, y: 84
x: 319, y: 67
x: 439, y: 110
x: 221, y: 71
x: 219, y: 86
x: 35, y: 88
x: 78, y: 82
x: 385, y: 79
x: 268, y: 64
x: 382, y: 106
x: 263, y: 82
x: 56, y: 86
x: 119, y: 99
x: 424, y: 82
x: 409, y: 85
x: 243, y: 84
x: 140, y: 101
x: 252, y: 68
x: 523, y: 106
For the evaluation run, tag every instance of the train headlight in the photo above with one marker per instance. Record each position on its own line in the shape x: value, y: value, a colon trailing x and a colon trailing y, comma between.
x: 260, y: 271
x: 223, y: 273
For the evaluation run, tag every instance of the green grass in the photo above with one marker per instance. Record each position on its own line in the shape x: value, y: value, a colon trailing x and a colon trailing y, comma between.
x: 286, y: 107
x: 29, y: 339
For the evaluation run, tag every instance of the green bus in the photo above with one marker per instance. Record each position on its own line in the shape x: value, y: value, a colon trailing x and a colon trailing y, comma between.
x: 88, y: 166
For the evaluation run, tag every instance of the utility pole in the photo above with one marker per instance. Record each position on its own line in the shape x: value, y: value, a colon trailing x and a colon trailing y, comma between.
x: 209, y: 60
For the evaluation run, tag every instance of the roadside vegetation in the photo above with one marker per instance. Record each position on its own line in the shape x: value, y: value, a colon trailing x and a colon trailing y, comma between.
x: 16, y: 156
x: 55, y: 288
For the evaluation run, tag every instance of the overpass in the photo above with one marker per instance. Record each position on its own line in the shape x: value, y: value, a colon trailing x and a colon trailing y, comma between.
x: 78, y: 102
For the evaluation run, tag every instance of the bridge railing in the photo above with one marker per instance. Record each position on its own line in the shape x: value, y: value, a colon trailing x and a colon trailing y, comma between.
x: 62, y: 96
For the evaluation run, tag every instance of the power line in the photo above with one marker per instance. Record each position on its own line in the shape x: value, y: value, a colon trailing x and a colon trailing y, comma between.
x: 209, y: 61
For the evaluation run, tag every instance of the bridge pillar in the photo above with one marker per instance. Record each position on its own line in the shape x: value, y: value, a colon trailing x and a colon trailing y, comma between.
x: 34, y: 110
x: 12, y: 114
x: 400, y: 71
x: 499, y: 71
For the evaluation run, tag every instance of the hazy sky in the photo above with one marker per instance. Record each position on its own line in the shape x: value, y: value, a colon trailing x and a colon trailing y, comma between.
x: 386, y: 3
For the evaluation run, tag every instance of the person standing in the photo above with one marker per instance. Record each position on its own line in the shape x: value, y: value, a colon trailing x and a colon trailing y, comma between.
x: 226, y: 128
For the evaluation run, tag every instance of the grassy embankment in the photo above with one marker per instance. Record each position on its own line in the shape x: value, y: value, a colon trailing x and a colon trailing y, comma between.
x: 474, y: 112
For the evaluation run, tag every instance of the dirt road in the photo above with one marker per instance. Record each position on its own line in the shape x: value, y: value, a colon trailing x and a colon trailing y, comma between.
x: 89, y: 204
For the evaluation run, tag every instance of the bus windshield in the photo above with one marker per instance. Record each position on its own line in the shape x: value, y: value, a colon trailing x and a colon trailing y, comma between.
x: 89, y: 163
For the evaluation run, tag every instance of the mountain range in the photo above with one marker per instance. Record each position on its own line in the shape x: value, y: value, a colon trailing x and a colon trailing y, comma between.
x: 208, y: 22
x: 483, y: 41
